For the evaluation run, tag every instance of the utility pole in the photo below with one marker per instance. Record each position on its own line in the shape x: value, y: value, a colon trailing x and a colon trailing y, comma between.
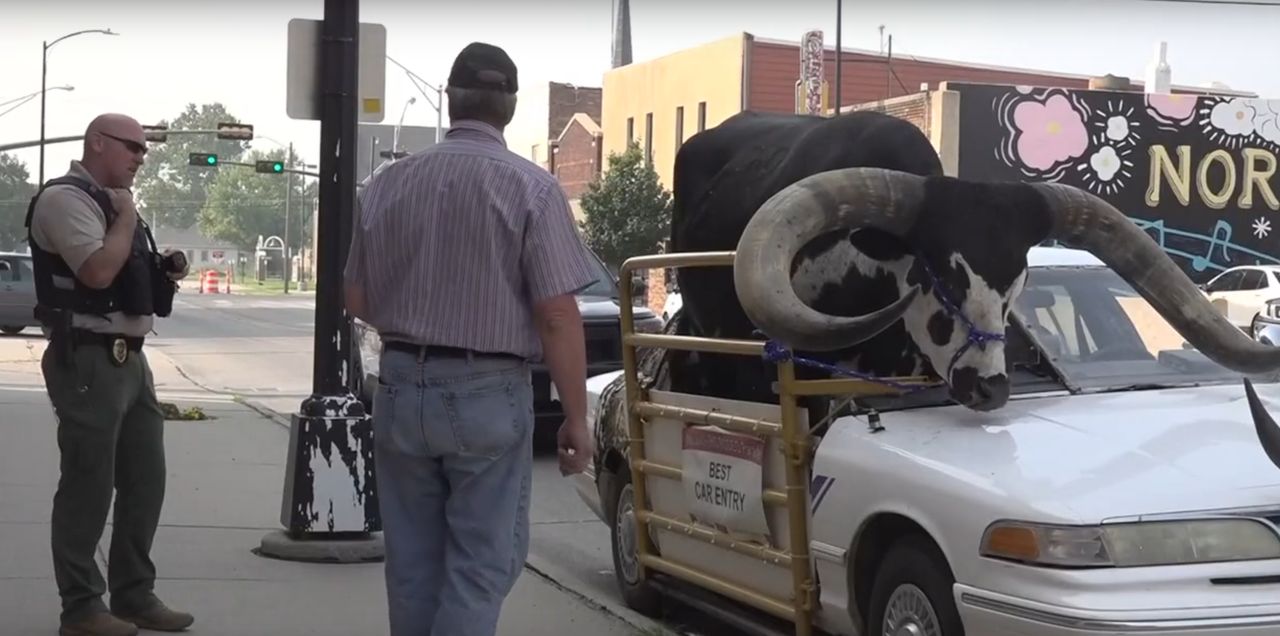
x: 288, y: 191
x: 330, y: 506
x: 839, y: 49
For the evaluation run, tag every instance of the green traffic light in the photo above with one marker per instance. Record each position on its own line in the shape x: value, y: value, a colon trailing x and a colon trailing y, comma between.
x: 277, y: 166
x: 212, y: 160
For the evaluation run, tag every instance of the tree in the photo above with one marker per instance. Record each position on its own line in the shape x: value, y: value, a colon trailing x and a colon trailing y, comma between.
x: 243, y: 204
x: 171, y: 193
x: 628, y: 212
x: 16, y: 191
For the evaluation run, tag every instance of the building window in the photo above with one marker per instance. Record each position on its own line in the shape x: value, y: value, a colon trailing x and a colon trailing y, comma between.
x: 648, y: 137
x: 702, y: 116
x: 679, y: 126
x: 631, y: 130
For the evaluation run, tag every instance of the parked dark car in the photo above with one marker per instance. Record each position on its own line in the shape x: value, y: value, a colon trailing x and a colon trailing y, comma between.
x: 601, y: 315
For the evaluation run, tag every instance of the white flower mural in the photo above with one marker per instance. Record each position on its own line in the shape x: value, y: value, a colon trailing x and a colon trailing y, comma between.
x: 1105, y: 163
x: 1117, y: 128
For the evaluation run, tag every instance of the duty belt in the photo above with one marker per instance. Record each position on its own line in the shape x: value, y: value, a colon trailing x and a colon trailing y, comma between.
x: 119, y: 345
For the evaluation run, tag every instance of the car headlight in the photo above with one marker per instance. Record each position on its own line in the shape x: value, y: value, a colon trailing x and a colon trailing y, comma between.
x: 1145, y: 543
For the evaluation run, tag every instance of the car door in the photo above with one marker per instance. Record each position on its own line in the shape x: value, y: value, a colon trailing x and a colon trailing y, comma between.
x: 25, y: 291
x: 11, y: 293
x: 1248, y: 298
x: 1219, y: 289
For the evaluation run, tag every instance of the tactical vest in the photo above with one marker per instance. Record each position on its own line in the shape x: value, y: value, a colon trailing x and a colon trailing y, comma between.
x: 132, y: 292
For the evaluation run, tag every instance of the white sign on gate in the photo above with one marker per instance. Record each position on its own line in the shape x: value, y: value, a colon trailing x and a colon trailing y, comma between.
x: 723, y: 479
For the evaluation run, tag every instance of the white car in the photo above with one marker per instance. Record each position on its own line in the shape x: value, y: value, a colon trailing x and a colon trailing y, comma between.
x: 1244, y: 291
x: 1122, y: 490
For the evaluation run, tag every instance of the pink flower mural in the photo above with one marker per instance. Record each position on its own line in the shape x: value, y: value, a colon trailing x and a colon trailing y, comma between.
x: 1176, y: 109
x: 1052, y: 132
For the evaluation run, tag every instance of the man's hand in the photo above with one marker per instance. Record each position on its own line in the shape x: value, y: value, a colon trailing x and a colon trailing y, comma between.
x: 186, y: 266
x: 575, y: 446
x: 122, y: 201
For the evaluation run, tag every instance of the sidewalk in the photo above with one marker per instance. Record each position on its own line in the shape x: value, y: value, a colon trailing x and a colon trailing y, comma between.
x: 225, y: 481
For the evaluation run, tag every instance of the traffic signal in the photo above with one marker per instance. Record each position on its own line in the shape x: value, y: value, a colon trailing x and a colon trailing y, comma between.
x: 269, y: 167
x: 202, y: 159
x: 235, y: 131
x: 155, y: 134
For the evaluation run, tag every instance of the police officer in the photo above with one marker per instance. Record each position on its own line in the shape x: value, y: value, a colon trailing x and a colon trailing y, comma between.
x: 99, y: 283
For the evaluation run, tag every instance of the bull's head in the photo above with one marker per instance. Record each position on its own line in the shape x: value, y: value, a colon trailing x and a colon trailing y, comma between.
x: 955, y: 300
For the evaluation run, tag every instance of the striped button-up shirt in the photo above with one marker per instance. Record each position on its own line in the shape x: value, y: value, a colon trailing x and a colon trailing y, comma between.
x: 454, y: 245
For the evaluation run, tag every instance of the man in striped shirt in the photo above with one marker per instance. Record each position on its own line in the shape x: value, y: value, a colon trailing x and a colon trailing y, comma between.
x: 466, y: 260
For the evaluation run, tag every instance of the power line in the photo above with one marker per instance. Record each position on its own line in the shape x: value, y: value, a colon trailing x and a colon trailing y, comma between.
x: 1243, y: 3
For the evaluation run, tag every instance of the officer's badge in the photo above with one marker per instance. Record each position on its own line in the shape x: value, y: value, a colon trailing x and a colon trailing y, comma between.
x: 119, y: 351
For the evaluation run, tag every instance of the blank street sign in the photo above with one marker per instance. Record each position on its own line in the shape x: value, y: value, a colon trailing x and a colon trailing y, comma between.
x: 303, y: 78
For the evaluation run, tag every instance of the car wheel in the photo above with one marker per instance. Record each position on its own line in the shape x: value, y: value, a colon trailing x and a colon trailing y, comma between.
x: 12, y: 331
x: 622, y: 534
x: 912, y: 592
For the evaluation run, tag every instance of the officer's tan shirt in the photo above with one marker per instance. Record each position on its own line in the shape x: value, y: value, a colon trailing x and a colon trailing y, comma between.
x: 68, y: 222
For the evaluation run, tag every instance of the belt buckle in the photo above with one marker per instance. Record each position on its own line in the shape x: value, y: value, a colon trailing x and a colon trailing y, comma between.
x: 119, y: 351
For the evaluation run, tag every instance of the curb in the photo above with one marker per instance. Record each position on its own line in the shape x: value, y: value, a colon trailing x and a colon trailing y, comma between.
x: 564, y: 581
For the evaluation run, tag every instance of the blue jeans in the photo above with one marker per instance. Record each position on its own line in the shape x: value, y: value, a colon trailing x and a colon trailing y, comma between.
x: 454, y: 461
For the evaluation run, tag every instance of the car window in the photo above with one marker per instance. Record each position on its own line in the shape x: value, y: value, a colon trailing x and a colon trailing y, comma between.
x: 1226, y: 282
x: 26, y: 271
x: 1253, y: 279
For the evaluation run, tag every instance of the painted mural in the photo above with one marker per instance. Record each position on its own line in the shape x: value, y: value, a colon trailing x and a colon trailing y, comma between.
x: 1197, y: 173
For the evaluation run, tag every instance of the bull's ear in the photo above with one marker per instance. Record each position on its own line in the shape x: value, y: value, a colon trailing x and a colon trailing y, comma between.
x: 1268, y: 432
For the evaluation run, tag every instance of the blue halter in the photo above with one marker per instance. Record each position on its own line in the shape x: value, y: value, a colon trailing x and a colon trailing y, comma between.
x: 976, y: 336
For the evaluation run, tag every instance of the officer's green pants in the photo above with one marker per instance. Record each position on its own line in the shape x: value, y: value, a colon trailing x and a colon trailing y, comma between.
x: 111, y: 436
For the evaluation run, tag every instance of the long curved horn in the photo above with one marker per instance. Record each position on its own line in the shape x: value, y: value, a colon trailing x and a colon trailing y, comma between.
x: 1268, y: 433
x: 1083, y: 220
x: 852, y: 199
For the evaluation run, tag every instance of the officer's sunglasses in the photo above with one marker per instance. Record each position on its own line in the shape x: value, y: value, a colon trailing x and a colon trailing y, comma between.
x: 133, y: 146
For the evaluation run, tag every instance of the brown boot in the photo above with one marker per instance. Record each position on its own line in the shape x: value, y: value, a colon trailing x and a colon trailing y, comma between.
x: 98, y: 624
x: 159, y: 618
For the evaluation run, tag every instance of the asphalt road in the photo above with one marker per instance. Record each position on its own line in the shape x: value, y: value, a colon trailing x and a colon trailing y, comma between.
x: 260, y: 347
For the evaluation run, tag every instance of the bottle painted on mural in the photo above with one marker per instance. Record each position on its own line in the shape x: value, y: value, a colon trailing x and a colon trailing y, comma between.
x: 1158, y: 72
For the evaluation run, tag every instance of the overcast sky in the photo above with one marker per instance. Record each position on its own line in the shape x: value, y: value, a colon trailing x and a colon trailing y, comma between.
x: 234, y: 51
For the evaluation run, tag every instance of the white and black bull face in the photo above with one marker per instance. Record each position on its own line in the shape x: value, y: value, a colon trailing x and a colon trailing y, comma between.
x: 958, y: 322
x: 955, y: 323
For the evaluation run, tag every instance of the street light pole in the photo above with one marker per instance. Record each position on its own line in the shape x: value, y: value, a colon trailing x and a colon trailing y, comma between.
x: 438, y: 104
x: 44, y: 77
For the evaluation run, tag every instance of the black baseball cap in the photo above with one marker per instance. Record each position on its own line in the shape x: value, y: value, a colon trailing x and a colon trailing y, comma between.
x: 484, y: 66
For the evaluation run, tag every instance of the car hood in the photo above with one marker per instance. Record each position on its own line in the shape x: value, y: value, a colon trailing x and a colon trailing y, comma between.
x: 1088, y: 458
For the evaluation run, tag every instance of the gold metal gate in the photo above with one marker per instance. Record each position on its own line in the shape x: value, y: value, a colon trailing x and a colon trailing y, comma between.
x: 793, y: 433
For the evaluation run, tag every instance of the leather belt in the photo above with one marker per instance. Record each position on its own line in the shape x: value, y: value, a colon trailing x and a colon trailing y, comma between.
x: 443, y: 351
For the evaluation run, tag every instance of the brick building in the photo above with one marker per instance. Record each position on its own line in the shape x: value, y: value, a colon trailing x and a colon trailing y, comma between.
x: 663, y: 101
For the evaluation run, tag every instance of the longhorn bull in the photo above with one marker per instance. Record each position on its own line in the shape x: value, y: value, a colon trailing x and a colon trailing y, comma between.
x: 854, y: 249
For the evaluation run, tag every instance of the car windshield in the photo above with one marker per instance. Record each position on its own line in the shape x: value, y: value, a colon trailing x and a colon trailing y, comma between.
x: 1084, y: 329
x: 1100, y: 334
x: 604, y: 285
